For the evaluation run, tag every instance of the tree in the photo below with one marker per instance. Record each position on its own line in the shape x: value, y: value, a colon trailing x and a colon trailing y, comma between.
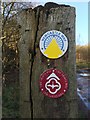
x: 10, y: 55
x: 10, y: 34
x: 82, y: 53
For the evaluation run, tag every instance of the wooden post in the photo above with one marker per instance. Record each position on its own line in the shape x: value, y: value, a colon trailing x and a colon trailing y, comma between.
x: 34, y: 23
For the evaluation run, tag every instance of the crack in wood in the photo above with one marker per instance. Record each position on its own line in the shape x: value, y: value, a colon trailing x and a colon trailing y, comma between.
x: 32, y: 101
x: 32, y: 60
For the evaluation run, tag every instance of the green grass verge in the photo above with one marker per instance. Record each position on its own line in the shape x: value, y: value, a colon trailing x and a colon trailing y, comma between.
x: 10, y: 101
x: 82, y: 65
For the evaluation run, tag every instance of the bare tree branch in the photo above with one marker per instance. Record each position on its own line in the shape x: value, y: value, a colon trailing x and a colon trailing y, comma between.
x: 5, y: 20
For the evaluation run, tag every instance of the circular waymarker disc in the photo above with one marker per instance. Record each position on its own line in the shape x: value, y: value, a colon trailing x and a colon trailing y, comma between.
x: 53, y: 83
x: 53, y: 44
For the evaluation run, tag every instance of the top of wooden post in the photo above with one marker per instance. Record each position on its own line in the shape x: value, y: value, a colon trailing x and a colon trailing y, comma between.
x: 50, y: 5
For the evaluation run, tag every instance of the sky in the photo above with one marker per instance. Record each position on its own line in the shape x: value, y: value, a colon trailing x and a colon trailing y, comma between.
x: 81, y: 18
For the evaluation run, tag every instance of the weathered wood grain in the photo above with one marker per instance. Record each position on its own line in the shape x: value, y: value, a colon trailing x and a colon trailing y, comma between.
x: 26, y: 46
x: 34, y: 23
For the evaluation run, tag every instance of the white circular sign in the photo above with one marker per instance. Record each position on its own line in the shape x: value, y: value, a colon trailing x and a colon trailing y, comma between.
x: 53, y: 44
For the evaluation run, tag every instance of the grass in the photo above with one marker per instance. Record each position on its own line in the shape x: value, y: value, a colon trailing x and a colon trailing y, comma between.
x: 82, y: 65
x: 10, y: 101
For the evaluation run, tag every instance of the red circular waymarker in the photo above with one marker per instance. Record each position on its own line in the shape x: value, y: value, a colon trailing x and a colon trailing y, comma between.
x: 53, y: 83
